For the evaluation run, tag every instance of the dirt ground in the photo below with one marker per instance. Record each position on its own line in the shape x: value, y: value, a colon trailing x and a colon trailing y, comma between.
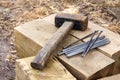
x: 15, y: 12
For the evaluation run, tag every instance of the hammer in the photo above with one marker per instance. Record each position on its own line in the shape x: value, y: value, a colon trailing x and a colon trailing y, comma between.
x: 66, y: 22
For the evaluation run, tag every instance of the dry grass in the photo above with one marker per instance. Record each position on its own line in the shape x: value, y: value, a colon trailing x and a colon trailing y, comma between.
x: 34, y: 9
x: 113, y: 3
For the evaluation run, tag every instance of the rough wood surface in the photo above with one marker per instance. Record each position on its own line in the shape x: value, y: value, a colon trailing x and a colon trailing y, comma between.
x: 31, y: 35
x: 114, y: 77
x: 43, y: 55
x: 53, y: 71
x: 112, y: 50
x: 92, y: 67
x: 95, y: 65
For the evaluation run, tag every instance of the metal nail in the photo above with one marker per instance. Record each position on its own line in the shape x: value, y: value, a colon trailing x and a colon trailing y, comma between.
x: 90, y: 44
x: 97, y: 44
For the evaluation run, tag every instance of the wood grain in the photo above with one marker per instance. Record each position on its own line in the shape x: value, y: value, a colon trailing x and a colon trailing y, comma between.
x: 93, y: 66
x: 41, y: 58
x: 112, y: 50
x: 54, y: 70
x: 29, y: 34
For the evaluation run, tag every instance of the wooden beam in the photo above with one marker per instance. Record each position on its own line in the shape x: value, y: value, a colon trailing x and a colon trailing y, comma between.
x: 31, y: 36
x: 94, y: 66
x: 40, y: 36
x: 112, y: 50
x: 53, y: 70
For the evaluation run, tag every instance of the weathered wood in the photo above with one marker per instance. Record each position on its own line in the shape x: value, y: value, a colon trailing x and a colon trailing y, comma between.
x: 112, y: 50
x: 53, y: 70
x: 42, y: 57
x: 34, y: 35
x: 30, y: 36
x: 93, y: 66
x: 114, y: 77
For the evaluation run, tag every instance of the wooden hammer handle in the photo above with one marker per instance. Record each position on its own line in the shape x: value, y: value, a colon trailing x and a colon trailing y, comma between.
x: 42, y: 57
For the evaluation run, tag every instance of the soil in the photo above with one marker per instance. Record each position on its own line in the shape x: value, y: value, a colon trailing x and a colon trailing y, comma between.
x: 16, y: 12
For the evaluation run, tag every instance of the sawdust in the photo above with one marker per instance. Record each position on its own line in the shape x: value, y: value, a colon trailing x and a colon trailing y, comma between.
x: 15, y: 12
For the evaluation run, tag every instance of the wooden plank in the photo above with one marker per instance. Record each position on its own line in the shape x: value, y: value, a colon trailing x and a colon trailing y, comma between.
x: 114, y: 77
x: 24, y: 38
x: 54, y: 70
x: 112, y: 50
x: 31, y: 34
x: 99, y: 64
x: 92, y: 67
x: 51, y: 45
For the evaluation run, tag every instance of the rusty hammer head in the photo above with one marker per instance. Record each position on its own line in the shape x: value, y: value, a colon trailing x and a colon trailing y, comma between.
x: 80, y: 21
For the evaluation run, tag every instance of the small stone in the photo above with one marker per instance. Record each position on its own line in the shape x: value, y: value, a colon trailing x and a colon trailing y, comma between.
x: 11, y: 43
x: 105, y: 25
x: 13, y: 52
